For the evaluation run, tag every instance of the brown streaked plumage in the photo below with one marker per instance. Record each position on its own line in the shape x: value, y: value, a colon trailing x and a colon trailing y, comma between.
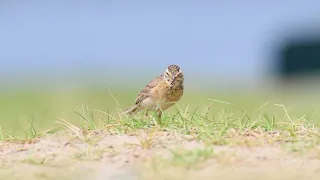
x: 161, y: 93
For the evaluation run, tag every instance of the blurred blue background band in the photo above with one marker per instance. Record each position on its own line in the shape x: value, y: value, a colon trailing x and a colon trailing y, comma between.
x: 233, y: 42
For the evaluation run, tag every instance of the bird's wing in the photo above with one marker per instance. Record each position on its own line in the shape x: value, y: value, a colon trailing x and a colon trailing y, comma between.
x: 145, y: 92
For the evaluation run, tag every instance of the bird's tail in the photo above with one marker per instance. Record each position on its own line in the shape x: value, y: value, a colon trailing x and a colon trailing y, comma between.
x: 131, y: 110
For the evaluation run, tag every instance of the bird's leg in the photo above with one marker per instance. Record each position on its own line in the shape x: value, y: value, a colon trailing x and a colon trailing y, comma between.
x: 159, y: 117
x: 146, y: 114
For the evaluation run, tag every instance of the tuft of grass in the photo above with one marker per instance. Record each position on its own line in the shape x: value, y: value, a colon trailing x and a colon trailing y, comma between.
x: 84, y: 135
x: 184, y: 158
x: 225, y: 127
x: 87, y: 117
x: 34, y: 161
x: 31, y: 133
x: 191, y: 158
x: 3, y: 135
x: 148, y: 141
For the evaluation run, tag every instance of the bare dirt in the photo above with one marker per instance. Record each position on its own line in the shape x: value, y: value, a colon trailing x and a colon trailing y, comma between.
x: 141, y: 156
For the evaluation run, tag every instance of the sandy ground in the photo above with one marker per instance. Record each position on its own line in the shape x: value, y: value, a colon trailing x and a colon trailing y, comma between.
x: 139, y: 156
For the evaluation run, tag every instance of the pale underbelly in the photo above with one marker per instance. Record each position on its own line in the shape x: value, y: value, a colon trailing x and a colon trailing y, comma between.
x: 159, y: 105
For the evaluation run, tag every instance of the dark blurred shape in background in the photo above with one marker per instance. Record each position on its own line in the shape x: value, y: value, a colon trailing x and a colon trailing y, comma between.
x: 300, y: 58
x: 296, y: 59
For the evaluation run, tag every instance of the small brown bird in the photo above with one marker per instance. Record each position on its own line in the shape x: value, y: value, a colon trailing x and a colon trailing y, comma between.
x: 161, y: 93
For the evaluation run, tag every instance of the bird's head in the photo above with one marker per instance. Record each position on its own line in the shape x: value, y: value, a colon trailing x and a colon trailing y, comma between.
x: 173, y: 76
